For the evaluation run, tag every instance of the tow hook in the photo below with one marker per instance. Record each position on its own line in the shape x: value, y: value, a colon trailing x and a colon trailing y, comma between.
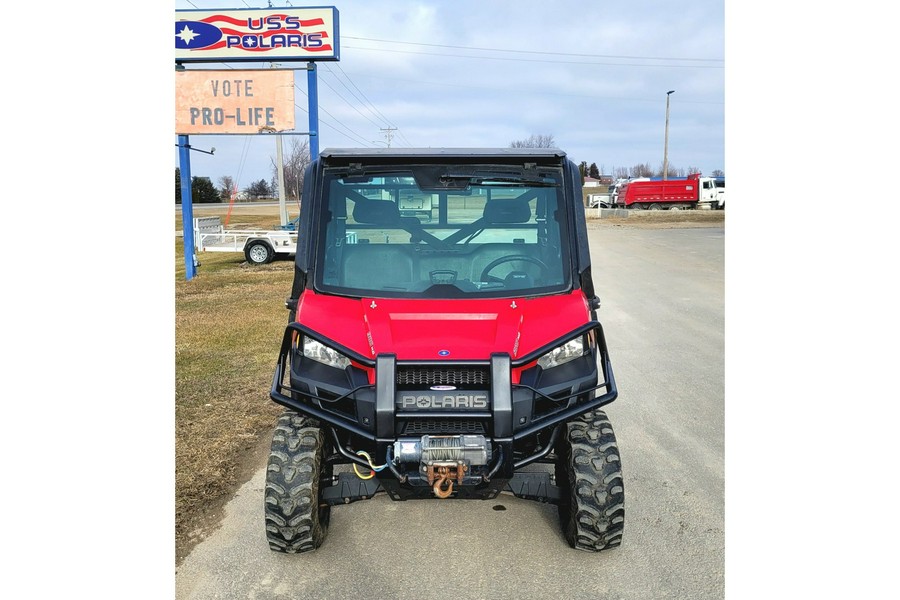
x: 441, y: 478
x: 439, y: 491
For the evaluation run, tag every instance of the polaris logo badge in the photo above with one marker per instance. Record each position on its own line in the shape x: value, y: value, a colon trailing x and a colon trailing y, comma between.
x: 432, y: 401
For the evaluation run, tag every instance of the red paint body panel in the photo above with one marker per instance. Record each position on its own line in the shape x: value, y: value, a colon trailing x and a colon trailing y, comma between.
x: 671, y: 190
x: 418, y: 329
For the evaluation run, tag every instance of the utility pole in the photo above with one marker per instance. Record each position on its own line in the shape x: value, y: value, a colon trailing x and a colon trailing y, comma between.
x: 279, y: 165
x: 388, y: 134
x: 279, y: 157
x: 666, y: 148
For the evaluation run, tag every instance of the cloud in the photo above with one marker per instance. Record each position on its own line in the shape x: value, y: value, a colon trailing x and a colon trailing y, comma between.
x: 592, y: 74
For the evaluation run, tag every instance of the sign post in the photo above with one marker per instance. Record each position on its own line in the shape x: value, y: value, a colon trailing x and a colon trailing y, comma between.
x: 187, y: 210
x: 313, y: 91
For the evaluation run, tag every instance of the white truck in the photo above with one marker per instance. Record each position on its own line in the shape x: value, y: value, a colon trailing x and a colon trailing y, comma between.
x: 720, y: 192
x: 258, y: 245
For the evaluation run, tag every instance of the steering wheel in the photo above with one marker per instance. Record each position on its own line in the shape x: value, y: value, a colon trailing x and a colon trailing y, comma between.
x: 485, y: 275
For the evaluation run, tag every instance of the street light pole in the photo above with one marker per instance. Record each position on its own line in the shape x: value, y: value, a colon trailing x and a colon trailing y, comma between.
x: 665, y: 174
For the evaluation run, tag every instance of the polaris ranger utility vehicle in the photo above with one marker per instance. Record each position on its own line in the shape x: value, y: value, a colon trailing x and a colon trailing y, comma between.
x: 441, y: 356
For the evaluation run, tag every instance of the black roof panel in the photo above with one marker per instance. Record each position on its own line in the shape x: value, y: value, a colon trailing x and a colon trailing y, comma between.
x: 448, y: 152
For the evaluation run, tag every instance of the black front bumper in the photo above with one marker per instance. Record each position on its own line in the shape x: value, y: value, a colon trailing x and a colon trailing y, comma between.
x: 515, y: 413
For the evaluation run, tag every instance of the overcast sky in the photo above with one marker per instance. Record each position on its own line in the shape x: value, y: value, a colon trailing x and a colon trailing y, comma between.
x: 480, y: 74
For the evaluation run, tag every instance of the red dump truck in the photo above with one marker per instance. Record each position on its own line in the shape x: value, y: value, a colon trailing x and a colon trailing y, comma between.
x: 674, y: 194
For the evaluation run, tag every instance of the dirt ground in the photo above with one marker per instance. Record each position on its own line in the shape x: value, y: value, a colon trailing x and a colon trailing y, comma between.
x: 199, y: 519
x: 661, y: 219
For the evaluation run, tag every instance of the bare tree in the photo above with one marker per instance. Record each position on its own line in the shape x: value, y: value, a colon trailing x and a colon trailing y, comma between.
x: 718, y: 173
x: 296, y: 159
x: 226, y: 186
x: 539, y: 140
x: 643, y: 170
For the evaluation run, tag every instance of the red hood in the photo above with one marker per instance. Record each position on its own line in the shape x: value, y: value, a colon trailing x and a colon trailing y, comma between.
x: 442, y: 329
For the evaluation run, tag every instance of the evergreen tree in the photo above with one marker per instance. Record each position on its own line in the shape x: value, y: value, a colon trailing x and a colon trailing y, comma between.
x: 203, y: 191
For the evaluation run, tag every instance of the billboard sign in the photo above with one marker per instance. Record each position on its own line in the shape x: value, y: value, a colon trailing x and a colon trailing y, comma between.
x: 272, y: 34
x: 230, y: 101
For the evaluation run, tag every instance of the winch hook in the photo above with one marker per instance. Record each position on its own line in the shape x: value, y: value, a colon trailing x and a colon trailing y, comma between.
x: 443, y: 493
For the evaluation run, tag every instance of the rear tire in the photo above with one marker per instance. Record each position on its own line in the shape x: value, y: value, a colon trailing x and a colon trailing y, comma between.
x: 295, y: 519
x: 589, y: 474
x: 655, y: 207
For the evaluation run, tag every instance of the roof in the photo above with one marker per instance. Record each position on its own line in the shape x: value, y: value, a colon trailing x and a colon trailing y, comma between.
x: 449, y: 152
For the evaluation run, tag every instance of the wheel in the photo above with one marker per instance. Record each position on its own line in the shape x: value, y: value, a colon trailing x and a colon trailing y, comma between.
x: 259, y: 253
x: 637, y: 206
x: 505, y: 259
x: 655, y: 207
x: 296, y: 521
x: 676, y: 207
x: 589, y: 474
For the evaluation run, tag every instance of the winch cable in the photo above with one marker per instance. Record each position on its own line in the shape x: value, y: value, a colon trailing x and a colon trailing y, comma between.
x: 372, y: 466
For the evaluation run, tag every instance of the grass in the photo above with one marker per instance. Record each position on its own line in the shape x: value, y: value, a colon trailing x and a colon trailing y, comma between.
x: 229, y: 320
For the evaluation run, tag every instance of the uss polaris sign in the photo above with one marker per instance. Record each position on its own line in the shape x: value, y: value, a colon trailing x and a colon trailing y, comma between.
x: 273, y: 34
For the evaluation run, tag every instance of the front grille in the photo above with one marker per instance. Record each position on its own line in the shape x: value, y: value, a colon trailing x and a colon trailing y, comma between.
x: 443, y: 426
x: 454, y: 375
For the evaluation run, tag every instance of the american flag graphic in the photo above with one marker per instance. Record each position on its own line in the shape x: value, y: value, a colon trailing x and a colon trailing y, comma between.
x: 258, y: 32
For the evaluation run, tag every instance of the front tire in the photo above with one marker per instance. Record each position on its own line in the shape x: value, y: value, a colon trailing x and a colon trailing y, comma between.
x: 295, y: 519
x: 589, y: 473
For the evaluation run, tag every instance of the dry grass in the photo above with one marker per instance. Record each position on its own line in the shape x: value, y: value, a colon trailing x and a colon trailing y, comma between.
x: 229, y: 321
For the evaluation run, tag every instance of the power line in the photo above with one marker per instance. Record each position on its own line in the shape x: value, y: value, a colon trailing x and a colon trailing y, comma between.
x: 368, y: 103
x: 349, y: 103
x: 353, y: 136
x: 543, y: 52
x: 374, y: 108
x: 535, y: 60
x: 531, y: 91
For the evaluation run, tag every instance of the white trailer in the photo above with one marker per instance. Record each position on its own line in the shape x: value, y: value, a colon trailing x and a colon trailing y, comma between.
x: 258, y: 245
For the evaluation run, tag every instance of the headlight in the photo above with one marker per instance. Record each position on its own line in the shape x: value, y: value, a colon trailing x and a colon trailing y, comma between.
x: 567, y: 352
x: 321, y: 353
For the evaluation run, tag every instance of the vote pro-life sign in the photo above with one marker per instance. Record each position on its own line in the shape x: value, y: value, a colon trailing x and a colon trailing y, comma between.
x: 251, y: 101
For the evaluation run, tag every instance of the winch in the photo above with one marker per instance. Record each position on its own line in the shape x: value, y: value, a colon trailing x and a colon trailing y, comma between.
x: 444, y: 459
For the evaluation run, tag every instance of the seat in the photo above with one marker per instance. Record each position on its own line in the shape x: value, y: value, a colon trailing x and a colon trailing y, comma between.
x: 371, y: 266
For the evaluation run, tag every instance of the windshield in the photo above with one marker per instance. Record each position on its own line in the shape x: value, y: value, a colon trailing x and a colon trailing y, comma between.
x: 443, y: 232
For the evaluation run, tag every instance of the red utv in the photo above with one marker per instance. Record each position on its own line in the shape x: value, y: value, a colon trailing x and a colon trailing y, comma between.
x: 440, y: 355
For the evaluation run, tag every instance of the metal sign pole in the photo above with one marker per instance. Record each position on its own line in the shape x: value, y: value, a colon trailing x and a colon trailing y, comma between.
x: 187, y: 209
x: 313, y: 92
